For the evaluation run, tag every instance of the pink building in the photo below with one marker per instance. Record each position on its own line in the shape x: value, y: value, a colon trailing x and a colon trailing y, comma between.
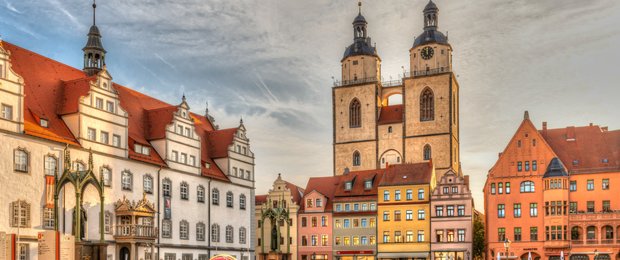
x: 315, y: 226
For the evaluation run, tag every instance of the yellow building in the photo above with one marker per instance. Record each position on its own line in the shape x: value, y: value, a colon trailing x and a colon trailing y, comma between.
x: 403, y: 209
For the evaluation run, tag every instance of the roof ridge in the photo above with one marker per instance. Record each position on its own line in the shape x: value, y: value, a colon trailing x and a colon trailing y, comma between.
x: 42, y: 56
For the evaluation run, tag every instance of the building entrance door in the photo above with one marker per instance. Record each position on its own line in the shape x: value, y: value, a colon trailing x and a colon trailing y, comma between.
x: 124, y: 253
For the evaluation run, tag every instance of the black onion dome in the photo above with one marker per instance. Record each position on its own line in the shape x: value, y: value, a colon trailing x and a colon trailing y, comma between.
x: 94, y: 40
x: 430, y: 7
x: 430, y: 36
x: 359, y: 19
x: 555, y: 169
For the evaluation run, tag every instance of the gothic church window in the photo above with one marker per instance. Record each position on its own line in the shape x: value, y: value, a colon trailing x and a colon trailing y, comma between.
x: 355, y: 115
x: 357, y: 161
x: 427, y: 152
x: 427, y: 106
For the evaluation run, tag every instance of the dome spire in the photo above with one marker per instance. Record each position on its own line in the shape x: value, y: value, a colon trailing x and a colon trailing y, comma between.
x: 359, y: 5
x: 94, y: 53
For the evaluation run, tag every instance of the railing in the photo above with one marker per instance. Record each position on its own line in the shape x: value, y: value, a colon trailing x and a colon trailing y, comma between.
x: 607, y: 241
x: 592, y: 216
x: 355, y: 81
x: 417, y: 73
x: 135, y: 231
x: 576, y: 242
x: 591, y: 241
x: 391, y: 83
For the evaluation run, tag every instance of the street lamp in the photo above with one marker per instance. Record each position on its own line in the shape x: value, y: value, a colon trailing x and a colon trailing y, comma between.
x: 468, y: 253
x: 507, y: 246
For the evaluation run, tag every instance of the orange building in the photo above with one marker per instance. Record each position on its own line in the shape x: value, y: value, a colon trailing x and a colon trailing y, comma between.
x: 555, y: 191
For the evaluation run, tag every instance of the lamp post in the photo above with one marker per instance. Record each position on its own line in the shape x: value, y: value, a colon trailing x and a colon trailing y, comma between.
x: 468, y: 253
x: 506, y: 246
x: 314, y: 256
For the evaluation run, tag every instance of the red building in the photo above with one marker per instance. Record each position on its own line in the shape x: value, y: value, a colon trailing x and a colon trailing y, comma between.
x: 555, y: 191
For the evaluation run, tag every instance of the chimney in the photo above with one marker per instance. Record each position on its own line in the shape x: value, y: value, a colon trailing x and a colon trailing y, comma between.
x: 526, y: 115
x: 544, y: 130
x: 591, y: 124
x: 499, y: 154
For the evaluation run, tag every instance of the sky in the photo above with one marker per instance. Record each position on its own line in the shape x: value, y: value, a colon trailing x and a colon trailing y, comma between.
x: 272, y: 62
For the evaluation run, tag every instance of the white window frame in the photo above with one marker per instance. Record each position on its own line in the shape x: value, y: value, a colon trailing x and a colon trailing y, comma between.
x: 50, y: 165
x: 200, y: 194
x: 184, y: 230
x: 107, y: 176
x: 91, y: 134
x: 148, y: 184
x: 230, y: 234
x: 7, y: 112
x: 48, y: 218
x: 109, y: 106
x: 126, y: 180
x: 99, y: 103
x: 116, y: 140
x: 184, y: 189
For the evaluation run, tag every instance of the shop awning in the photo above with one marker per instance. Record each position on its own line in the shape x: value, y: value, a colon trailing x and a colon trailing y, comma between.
x: 403, y: 255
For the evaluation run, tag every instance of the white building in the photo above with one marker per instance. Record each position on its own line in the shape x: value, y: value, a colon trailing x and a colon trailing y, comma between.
x: 150, y: 154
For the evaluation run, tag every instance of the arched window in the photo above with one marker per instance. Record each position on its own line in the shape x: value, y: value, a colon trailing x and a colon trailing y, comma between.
x: 51, y: 164
x: 21, y: 160
x: 357, y: 159
x: 242, y: 235
x: 184, y: 230
x: 229, y: 234
x: 200, y: 193
x: 229, y: 199
x: 166, y: 187
x: 126, y: 180
x: 355, y: 113
x: 184, y: 190
x: 148, y: 184
x: 215, y: 197
x: 242, y: 201
x: 389, y: 129
x: 427, y: 152
x: 215, y: 233
x: 427, y: 106
x: 527, y: 187
x: 200, y: 231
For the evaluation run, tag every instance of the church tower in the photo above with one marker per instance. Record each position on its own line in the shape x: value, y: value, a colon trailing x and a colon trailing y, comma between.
x: 431, y: 98
x: 355, y: 103
x: 94, y: 53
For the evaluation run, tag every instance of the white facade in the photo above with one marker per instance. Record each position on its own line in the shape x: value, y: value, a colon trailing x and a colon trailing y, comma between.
x: 99, y: 126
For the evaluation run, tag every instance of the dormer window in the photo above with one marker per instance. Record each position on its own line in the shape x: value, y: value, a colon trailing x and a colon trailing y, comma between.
x: 109, y: 106
x: 319, y: 203
x: 44, y: 122
x: 309, y: 203
x: 348, y: 185
x: 368, y: 184
x: 141, y: 149
x: 207, y: 165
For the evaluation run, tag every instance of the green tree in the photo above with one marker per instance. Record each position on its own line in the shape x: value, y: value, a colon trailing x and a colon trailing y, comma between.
x: 479, y: 243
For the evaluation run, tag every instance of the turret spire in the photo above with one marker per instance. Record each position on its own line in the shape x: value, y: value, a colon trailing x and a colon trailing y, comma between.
x: 94, y: 53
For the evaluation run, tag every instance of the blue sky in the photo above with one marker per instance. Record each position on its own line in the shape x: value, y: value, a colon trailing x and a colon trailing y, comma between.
x: 271, y: 62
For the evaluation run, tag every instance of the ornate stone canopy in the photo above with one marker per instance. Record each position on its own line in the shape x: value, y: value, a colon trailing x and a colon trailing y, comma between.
x: 125, y: 207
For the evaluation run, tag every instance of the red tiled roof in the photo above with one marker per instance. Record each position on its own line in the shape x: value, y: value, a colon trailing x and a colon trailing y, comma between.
x: 220, y: 140
x: 391, y: 114
x: 43, y: 78
x: 358, y: 178
x: 260, y: 199
x: 53, y: 89
x: 324, y: 185
x: 587, y: 146
x: 407, y: 174
x: 296, y: 191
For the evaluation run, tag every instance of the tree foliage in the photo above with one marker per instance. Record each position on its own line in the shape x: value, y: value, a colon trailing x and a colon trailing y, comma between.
x: 479, y: 242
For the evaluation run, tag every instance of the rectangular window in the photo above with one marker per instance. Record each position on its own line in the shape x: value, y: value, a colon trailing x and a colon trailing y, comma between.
x: 439, y: 211
x: 348, y: 185
x: 347, y: 207
x: 398, y: 237
x: 534, y: 165
x: 7, y: 112
x: 421, y: 194
x: 364, y: 222
x: 174, y: 156
x: 21, y: 160
x: 48, y: 218
x: 605, y: 184
x: 184, y: 158
x: 99, y: 103
x: 386, y: 237
x: 519, y: 166
x: 421, y: 214
x: 192, y: 160
x: 590, y: 185
x: 590, y: 206
x: 116, y: 140
x: 517, y: 210
x: 338, y: 207
x: 109, y: 106
x: 409, y: 194
x: 386, y: 195
x: 461, y: 235
x: 501, y: 234
x: 368, y: 184
x: 323, y: 240
x: 533, y: 209
x: 573, y: 185
x: 492, y: 188
x: 507, y: 187
x: 373, y: 222
x: 91, y: 134
x: 24, y: 251
x: 50, y: 165
x: 409, y: 215
x: 500, y: 188
x: 420, y: 235
x: 450, y: 210
x: 455, y: 189
x: 187, y: 257
x: 501, y: 211
x: 461, y: 210
x: 534, y: 233
x: 314, y: 222
x: 573, y: 207
x: 386, y: 216
x: 527, y: 166
x: 517, y: 231
x: 356, y: 207
x: 105, y: 137
x: 397, y: 215
x: 397, y: 195
x: 606, y: 206
x: 346, y: 223
x: 439, y: 235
